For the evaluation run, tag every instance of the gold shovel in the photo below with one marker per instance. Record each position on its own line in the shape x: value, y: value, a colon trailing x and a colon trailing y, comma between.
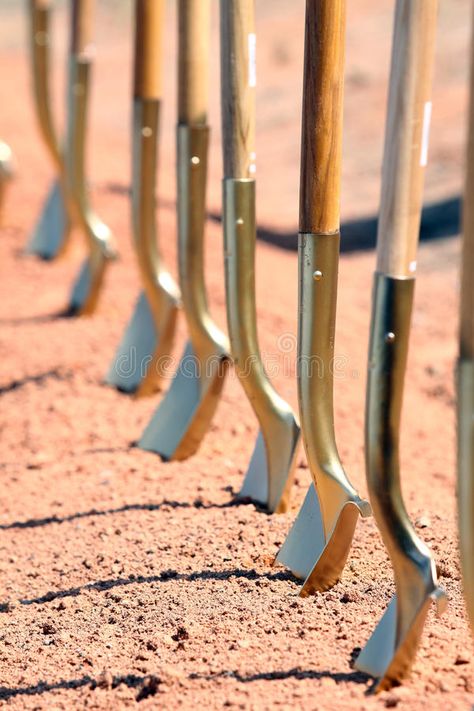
x: 86, y: 290
x: 269, y: 476
x: 390, y: 652
x: 465, y: 374
x: 143, y: 355
x: 183, y: 417
x: 319, y: 542
x: 52, y: 232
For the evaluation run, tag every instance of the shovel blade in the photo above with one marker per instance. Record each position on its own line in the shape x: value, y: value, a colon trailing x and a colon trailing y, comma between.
x: 390, y: 660
x: 270, y: 473
x: 255, y: 484
x: 377, y: 654
x: 306, y: 551
x: 305, y: 541
x: 135, y: 351
x: 51, y: 232
x: 185, y: 413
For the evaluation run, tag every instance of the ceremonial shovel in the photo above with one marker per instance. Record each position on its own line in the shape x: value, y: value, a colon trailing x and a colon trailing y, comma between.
x: 143, y: 355
x: 465, y: 375
x: 86, y: 290
x: 269, y: 475
x: 319, y: 542
x: 390, y: 652
x: 183, y: 417
x: 51, y: 234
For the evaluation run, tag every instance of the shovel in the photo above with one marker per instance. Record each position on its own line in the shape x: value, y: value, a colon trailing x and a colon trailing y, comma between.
x: 390, y: 652
x: 465, y: 374
x: 86, y: 290
x: 184, y: 416
x: 53, y: 229
x: 143, y: 355
x: 269, y: 476
x: 6, y: 170
x: 319, y: 542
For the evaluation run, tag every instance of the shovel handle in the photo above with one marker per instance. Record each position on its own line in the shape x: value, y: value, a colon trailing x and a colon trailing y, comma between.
x: 321, y: 142
x: 149, y: 22
x: 467, y: 269
x: 40, y: 4
x: 406, y: 136
x: 193, y: 61
x: 238, y: 81
x: 82, y: 26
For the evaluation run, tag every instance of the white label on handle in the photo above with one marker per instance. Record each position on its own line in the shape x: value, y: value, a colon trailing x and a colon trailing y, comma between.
x: 252, y: 60
x: 425, y: 138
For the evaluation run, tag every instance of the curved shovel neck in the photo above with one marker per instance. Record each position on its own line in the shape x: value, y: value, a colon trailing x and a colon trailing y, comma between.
x: 192, y: 152
x: 317, y: 365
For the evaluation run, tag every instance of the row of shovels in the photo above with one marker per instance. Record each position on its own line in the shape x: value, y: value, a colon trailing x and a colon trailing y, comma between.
x: 320, y: 539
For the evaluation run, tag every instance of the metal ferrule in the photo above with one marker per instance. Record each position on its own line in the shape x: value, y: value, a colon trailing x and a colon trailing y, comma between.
x: 192, y: 151
x: 40, y: 44
x: 318, y: 267
x: 157, y: 283
x: 465, y: 389
x: 97, y: 233
x: 414, y: 568
x: 275, y: 416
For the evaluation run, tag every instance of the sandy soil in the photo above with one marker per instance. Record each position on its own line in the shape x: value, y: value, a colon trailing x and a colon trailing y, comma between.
x: 125, y: 580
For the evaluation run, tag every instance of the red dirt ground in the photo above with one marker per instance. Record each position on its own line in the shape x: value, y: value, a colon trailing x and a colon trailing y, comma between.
x: 125, y: 580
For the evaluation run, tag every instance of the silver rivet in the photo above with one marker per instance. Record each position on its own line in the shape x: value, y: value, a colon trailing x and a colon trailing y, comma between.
x: 42, y: 38
x: 389, y: 337
x: 195, y: 160
x: 239, y: 221
x: 147, y: 132
x: 317, y: 275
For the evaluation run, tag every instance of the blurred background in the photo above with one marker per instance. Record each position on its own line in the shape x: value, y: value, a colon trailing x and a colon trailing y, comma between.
x: 280, y: 50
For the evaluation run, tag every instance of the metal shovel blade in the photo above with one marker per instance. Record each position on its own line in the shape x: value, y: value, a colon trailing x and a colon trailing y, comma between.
x: 312, y: 557
x: 273, y: 490
x: 135, y: 351
x: 143, y: 354
x: 184, y: 415
x: 52, y: 229
x: 384, y: 659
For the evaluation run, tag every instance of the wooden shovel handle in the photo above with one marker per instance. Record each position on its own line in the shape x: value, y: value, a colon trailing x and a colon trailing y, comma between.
x: 238, y: 80
x: 321, y: 142
x: 467, y: 260
x: 407, y: 134
x: 149, y: 22
x: 82, y: 26
x: 193, y: 61
x: 40, y: 4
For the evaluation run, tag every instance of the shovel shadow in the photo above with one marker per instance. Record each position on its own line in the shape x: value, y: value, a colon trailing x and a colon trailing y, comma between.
x: 163, y: 577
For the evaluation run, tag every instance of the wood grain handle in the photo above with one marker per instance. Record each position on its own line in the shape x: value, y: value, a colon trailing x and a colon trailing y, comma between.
x: 467, y: 260
x: 149, y: 23
x: 193, y: 61
x: 323, y: 91
x: 406, y: 136
x: 82, y: 26
x: 238, y: 81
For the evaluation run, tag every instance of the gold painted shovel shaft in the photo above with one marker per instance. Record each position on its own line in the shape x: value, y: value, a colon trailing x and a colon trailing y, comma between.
x: 85, y: 296
x: 52, y: 233
x: 390, y: 652
x: 279, y: 429
x: 465, y: 371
